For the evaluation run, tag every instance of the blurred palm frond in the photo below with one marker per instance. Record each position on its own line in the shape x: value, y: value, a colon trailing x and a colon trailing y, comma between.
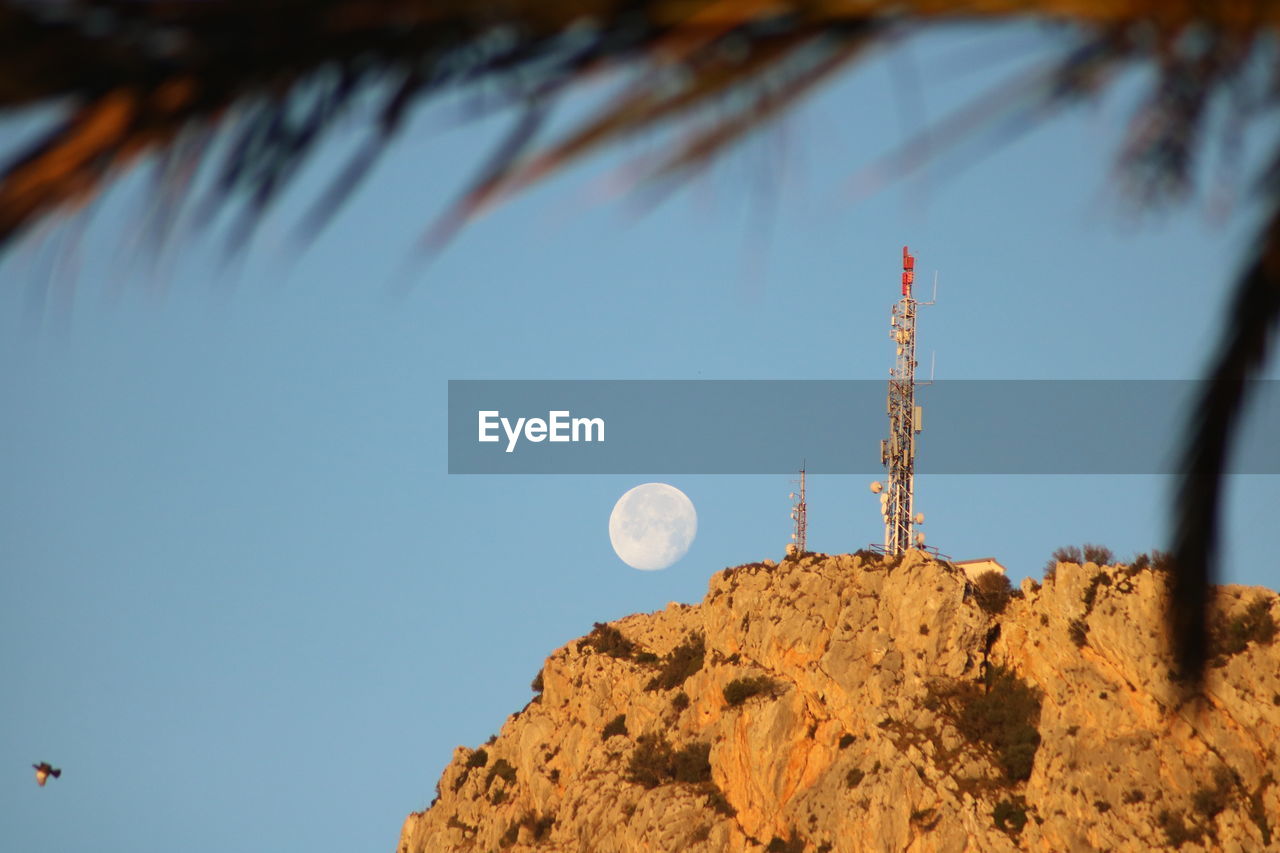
x: 268, y: 78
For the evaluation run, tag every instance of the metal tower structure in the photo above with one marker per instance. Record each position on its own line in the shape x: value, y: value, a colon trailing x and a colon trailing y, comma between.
x: 800, y: 515
x: 898, y: 451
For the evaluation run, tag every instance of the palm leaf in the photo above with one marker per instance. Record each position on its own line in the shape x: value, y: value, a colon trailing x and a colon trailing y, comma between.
x: 270, y: 77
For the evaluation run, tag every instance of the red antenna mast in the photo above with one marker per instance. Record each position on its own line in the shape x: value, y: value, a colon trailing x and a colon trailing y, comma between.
x: 898, y: 451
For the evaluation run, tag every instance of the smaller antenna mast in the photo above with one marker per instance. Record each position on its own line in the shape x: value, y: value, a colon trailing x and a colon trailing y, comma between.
x: 800, y: 515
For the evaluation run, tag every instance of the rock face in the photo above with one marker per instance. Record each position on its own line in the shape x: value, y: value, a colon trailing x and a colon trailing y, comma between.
x: 849, y: 703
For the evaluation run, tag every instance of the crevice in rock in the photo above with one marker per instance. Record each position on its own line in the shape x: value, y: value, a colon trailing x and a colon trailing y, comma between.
x: 988, y: 642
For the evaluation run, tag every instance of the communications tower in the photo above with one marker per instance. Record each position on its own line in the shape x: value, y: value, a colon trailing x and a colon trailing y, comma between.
x: 800, y: 515
x: 898, y: 451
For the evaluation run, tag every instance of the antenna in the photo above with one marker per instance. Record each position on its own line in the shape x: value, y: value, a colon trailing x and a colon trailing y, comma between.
x: 933, y: 362
x: 898, y: 452
x: 799, y: 514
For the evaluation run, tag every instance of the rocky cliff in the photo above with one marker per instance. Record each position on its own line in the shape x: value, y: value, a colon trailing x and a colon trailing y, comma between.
x: 850, y: 703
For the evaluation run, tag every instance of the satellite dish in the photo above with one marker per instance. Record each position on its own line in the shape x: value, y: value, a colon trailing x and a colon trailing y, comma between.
x: 876, y: 487
x: 919, y: 538
x: 919, y: 518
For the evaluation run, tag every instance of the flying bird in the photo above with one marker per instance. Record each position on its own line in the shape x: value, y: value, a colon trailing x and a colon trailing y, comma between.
x: 253, y: 84
x: 43, y: 771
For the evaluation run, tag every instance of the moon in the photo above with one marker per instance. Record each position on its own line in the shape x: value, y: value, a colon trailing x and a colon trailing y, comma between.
x: 652, y: 526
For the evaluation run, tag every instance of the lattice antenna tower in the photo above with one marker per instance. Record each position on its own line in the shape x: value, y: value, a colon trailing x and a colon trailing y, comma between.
x: 898, y: 451
x: 799, y: 515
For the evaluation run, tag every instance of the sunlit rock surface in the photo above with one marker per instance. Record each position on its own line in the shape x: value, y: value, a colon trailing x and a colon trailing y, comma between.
x: 856, y: 739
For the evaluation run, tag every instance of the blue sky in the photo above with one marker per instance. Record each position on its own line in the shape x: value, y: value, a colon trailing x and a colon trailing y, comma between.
x: 242, y: 603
